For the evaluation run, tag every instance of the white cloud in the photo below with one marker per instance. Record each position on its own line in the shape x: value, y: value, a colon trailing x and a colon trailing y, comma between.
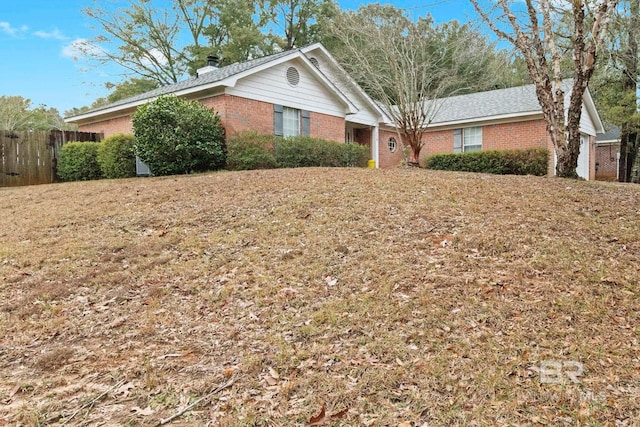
x: 80, y: 48
x: 6, y: 28
x: 55, y: 34
x: 157, y: 56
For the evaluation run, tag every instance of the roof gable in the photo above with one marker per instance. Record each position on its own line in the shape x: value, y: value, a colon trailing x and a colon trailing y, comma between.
x: 225, y: 76
x: 347, y: 80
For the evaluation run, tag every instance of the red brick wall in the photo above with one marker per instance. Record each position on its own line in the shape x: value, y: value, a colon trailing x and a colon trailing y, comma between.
x: 237, y: 115
x: 436, y: 142
x: 241, y: 114
x: 327, y: 127
x: 109, y: 127
x: 386, y: 158
x: 606, y: 157
x: 503, y: 136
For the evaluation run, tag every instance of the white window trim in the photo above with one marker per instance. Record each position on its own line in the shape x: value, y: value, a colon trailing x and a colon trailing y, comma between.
x: 465, y: 132
x: 290, y: 122
x: 395, y: 144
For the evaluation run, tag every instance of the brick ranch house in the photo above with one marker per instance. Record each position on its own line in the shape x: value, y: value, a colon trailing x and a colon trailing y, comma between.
x: 305, y: 92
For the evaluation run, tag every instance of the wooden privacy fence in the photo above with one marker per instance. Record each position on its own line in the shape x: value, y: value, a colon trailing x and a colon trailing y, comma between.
x: 28, y: 158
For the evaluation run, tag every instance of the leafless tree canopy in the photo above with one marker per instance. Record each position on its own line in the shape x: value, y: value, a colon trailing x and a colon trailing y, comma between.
x: 533, y: 30
x: 407, y: 66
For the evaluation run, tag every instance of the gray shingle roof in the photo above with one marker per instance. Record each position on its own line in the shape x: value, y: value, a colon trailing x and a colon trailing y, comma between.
x: 493, y: 103
x: 203, y: 79
x: 515, y: 100
x: 612, y: 134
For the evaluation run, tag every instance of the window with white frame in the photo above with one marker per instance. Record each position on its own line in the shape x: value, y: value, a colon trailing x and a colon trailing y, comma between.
x: 467, y: 140
x: 392, y: 144
x: 290, y: 122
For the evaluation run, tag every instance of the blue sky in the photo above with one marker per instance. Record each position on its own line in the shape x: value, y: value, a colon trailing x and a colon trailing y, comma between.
x: 38, y: 62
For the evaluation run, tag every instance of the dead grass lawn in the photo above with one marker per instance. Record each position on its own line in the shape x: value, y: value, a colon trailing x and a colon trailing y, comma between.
x: 390, y: 297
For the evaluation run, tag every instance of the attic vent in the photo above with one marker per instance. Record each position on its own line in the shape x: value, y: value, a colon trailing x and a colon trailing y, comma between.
x: 315, y: 62
x: 293, y: 76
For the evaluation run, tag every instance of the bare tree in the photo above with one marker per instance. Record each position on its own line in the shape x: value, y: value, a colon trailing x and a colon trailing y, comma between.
x: 141, y: 38
x: 407, y: 66
x: 533, y: 33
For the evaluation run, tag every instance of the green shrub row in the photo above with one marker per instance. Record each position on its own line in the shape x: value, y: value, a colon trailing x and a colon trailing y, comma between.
x: 112, y: 158
x: 534, y: 161
x: 250, y: 150
x: 78, y: 161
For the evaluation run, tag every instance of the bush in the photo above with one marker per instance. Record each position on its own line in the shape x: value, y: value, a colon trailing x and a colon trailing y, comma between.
x: 353, y: 155
x: 533, y: 161
x: 304, y: 151
x: 250, y: 150
x: 117, y: 156
x: 175, y: 136
x: 78, y: 161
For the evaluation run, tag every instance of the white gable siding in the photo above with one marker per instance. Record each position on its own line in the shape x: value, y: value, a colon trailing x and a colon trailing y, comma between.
x: 586, y: 122
x: 271, y: 86
x: 365, y: 114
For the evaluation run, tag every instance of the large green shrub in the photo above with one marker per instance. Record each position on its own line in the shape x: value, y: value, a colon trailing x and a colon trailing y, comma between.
x: 534, y: 161
x: 251, y: 150
x: 78, y: 161
x: 175, y: 136
x: 304, y: 151
x: 117, y: 156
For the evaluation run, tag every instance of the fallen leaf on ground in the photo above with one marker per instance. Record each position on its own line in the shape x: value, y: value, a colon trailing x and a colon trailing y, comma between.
x: 144, y: 412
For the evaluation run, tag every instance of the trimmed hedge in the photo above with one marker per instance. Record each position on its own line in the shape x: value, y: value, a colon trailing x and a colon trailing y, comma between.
x: 78, y: 161
x: 533, y: 161
x: 117, y: 156
x: 304, y: 151
x: 250, y: 150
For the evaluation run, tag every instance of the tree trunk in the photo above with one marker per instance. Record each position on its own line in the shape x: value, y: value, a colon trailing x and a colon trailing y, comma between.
x: 623, y: 165
x: 414, y: 139
x: 635, y: 166
x: 567, y: 161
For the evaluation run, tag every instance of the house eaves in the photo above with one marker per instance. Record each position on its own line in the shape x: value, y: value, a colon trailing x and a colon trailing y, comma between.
x: 496, y: 106
x: 593, y: 111
x: 223, y: 77
x: 612, y: 136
